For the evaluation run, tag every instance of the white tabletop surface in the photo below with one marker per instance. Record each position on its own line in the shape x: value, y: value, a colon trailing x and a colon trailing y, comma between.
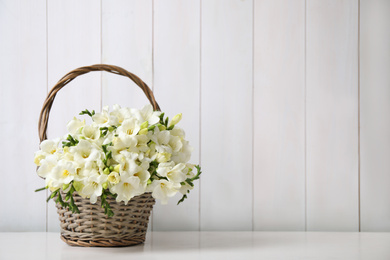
x: 207, y: 245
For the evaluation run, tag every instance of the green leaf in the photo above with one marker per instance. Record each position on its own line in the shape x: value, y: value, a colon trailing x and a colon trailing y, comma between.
x: 52, y: 195
x: 71, y: 142
x: 103, y: 131
x: 162, y: 118
x: 182, y: 199
x: 86, y: 112
x: 199, y: 172
x: 104, y: 203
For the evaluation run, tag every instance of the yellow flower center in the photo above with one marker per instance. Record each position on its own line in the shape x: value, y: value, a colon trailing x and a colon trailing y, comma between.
x: 95, y: 184
x: 89, y: 134
x: 52, y: 151
x: 129, y: 131
x: 65, y: 173
x: 125, y: 167
x: 126, y: 185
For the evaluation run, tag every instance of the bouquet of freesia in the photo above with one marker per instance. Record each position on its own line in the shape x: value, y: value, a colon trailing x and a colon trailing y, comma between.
x: 122, y: 153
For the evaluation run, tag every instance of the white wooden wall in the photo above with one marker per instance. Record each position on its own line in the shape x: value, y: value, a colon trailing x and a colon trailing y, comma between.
x: 287, y: 103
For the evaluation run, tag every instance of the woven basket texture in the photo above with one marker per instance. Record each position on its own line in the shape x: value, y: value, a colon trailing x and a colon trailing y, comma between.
x: 91, y: 227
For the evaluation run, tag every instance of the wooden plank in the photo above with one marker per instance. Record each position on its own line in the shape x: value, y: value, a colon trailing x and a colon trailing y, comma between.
x: 226, y: 115
x: 22, y: 91
x: 279, y: 115
x: 126, y: 42
x: 374, y: 111
x: 176, y: 85
x: 332, y: 115
x: 74, y: 34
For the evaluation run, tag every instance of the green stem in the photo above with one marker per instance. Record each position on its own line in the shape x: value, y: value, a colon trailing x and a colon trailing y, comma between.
x: 40, y: 189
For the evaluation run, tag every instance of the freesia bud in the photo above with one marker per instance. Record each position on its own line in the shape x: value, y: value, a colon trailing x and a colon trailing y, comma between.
x: 106, y: 171
x: 77, y: 185
x: 144, y: 125
x: 143, y: 131
x: 116, y: 168
x: 176, y: 119
x: 105, y: 185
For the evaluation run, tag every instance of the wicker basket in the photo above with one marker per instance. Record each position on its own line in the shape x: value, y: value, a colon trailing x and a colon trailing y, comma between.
x: 91, y: 227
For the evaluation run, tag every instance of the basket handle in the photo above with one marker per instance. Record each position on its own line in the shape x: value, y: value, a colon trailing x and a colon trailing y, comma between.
x: 45, y: 112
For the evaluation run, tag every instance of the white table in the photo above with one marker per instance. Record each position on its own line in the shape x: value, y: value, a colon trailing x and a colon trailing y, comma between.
x: 207, y: 245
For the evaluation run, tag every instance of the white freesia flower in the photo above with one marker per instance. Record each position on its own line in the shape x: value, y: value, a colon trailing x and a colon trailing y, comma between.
x: 48, y: 147
x: 124, y: 142
x: 81, y: 173
x: 161, y: 139
x: 62, y: 173
x: 75, y: 125
x: 177, y: 131
x: 104, y: 118
x: 66, y: 154
x: 163, y: 157
x: 142, y: 143
x: 46, y: 165
x: 38, y: 157
x: 125, y: 151
x: 160, y: 150
x: 85, y: 153
x: 184, y: 154
x: 126, y: 162
x: 175, y: 142
x: 147, y: 114
x: 127, y: 188
x: 129, y: 127
x: 141, y: 171
x: 127, y: 134
x: 114, y: 178
x: 172, y: 172
x: 163, y: 190
x: 121, y: 113
x: 93, y: 185
x: 91, y: 132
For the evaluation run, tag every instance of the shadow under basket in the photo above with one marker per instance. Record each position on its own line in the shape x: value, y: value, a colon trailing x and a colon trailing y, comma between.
x: 91, y: 227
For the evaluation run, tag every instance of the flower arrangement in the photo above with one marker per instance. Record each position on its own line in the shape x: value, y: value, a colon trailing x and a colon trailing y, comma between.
x: 122, y: 153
